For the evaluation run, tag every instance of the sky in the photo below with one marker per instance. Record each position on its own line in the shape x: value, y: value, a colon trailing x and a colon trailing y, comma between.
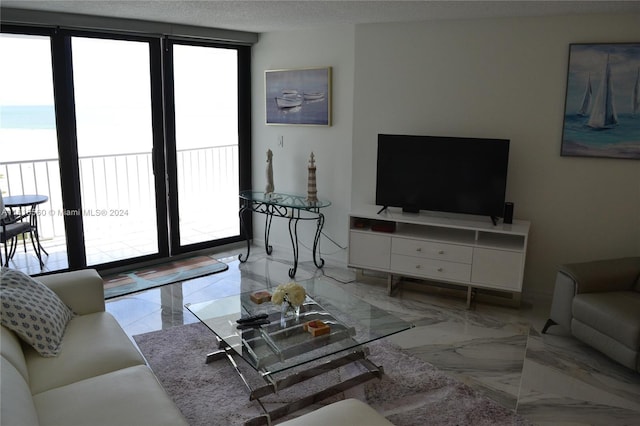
x: 589, y: 60
x: 112, y: 95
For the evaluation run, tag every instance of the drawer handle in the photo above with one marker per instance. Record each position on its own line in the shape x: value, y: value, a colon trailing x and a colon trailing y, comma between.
x: 440, y: 269
x: 419, y: 249
x: 440, y: 251
x: 418, y: 266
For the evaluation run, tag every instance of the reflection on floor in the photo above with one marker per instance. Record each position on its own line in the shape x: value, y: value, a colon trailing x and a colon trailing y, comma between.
x: 104, y: 245
x: 548, y: 379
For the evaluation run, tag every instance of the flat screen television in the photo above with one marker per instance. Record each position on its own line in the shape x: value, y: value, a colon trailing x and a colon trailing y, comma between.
x: 443, y: 174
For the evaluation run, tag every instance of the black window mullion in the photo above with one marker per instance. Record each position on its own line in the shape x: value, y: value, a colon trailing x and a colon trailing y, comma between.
x: 68, y: 147
x: 170, y: 146
x: 244, y: 129
x: 158, y: 155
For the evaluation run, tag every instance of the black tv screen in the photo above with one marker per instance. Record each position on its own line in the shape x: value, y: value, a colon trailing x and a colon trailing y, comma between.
x: 444, y: 174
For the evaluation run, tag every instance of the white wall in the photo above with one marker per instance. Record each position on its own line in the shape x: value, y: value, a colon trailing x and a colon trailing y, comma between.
x: 482, y: 78
x: 331, y: 146
x: 502, y: 78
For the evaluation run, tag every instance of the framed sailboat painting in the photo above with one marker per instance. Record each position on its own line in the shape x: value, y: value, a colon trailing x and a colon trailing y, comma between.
x: 602, y: 104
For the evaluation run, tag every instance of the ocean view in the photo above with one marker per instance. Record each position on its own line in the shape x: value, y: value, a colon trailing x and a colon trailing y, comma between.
x: 28, y: 132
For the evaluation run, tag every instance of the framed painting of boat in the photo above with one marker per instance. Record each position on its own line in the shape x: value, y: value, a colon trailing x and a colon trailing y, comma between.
x: 298, y: 96
x: 602, y: 103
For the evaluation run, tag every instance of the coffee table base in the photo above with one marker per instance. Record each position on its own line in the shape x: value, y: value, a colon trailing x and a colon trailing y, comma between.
x: 358, y: 356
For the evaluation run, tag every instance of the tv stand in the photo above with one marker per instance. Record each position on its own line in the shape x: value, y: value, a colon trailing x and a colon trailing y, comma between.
x: 471, y: 253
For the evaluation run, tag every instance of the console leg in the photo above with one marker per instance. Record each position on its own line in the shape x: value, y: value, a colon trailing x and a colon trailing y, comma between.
x: 471, y: 297
x: 392, y: 286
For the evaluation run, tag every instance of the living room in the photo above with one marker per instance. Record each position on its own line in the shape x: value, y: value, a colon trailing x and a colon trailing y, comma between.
x: 459, y: 78
x: 496, y: 77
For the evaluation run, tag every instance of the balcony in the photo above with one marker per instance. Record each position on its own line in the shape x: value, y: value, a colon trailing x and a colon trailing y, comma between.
x: 118, y: 204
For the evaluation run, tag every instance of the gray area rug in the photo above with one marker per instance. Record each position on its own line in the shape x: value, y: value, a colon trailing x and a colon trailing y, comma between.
x: 412, y: 392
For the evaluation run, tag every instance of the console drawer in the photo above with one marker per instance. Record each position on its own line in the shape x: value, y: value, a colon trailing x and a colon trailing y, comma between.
x: 417, y: 266
x: 432, y: 250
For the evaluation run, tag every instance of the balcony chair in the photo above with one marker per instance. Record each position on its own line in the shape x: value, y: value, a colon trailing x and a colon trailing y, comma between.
x: 11, y: 226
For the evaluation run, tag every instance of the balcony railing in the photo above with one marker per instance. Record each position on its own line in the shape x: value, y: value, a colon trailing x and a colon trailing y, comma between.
x: 125, y: 182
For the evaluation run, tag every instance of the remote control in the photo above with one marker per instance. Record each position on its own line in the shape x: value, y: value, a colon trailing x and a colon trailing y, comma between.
x: 254, y: 324
x: 252, y: 318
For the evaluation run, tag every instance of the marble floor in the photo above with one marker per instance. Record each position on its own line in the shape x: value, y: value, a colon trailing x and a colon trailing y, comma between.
x: 549, y: 379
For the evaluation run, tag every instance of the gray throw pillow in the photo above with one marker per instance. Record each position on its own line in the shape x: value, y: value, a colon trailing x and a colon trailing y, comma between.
x: 33, y: 311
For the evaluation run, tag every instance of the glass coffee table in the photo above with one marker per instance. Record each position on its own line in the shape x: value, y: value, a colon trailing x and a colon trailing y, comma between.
x: 287, y: 346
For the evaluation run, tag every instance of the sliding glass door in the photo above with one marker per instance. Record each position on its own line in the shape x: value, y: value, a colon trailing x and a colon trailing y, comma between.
x: 141, y: 143
x: 29, y: 162
x: 112, y: 93
x: 204, y: 144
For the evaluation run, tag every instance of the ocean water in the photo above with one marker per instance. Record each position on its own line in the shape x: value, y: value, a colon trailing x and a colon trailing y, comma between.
x: 28, y: 132
x: 27, y: 117
x: 621, y: 141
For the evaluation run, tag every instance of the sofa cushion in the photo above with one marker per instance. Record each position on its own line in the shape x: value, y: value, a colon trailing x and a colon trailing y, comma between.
x: 615, y: 314
x: 93, y: 344
x: 131, y: 396
x: 33, y: 311
x: 17, y: 405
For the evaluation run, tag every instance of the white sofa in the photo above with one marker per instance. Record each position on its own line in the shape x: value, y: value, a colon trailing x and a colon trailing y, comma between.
x: 98, y: 378
x: 348, y: 412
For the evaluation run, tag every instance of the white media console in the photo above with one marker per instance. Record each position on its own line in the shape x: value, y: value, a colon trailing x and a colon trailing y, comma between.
x: 468, y: 252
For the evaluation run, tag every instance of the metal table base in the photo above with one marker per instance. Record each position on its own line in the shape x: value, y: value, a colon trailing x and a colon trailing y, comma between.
x: 273, y: 385
x: 293, y: 207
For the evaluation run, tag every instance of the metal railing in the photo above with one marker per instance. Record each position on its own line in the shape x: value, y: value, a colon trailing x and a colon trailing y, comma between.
x: 121, y: 182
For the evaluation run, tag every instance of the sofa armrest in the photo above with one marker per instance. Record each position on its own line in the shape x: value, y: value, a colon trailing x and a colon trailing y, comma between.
x: 82, y: 291
x: 604, y: 275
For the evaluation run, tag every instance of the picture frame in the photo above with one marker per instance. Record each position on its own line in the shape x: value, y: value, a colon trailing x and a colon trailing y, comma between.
x: 602, y: 102
x: 298, y: 96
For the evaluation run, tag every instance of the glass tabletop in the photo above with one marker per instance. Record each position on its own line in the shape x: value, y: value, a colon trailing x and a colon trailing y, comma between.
x: 276, y: 347
x: 284, y: 200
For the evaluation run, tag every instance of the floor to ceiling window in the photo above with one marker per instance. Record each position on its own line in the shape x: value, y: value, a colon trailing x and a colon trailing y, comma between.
x: 28, y: 145
x: 126, y: 127
x: 112, y: 93
x: 205, y: 94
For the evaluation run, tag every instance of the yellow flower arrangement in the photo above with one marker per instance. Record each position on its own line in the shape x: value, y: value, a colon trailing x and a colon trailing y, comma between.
x: 292, y: 292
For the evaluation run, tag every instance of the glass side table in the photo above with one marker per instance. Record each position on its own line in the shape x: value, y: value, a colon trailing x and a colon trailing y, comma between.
x: 293, y: 207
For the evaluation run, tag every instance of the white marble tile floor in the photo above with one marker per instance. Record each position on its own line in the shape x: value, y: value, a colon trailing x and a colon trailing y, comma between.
x: 549, y: 379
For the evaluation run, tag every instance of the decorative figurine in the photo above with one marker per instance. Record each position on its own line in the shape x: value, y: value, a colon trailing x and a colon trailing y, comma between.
x: 269, y: 189
x: 312, y: 192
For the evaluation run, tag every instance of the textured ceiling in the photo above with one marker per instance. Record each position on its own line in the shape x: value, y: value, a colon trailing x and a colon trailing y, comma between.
x: 267, y: 15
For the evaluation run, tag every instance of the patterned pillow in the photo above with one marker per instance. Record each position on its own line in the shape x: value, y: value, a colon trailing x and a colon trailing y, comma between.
x: 33, y: 311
